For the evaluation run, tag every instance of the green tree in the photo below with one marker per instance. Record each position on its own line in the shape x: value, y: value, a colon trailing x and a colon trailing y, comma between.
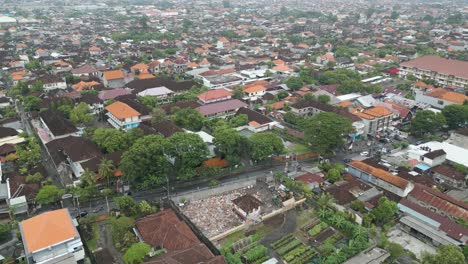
x: 126, y: 205
x: 448, y: 254
x: 29, y: 154
x: 88, y: 178
x: 325, y: 131
x: 33, y: 65
x: 188, y: 151
x: 384, y: 211
x: 229, y: 143
x: 294, y: 83
x: 395, y: 15
x: 111, y: 140
x: 456, y: 115
x: 333, y: 175
x: 119, y: 227
x: 157, y: 116
x: 226, y: 4
x: 31, y: 103
x: 49, y: 194
x: 263, y: 145
x: 238, y: 93
x: 136, y: 253
x: 145, y: 208
x: 323, y: 98
x: 145, y: 162
x: 106, y: 169
x: 239, y: 120
x: 189, y: 118
x: 81, y: 115
x: 426, y: 121
x: 38, y: 86
x: 35, y: 178
x: 5, y: 231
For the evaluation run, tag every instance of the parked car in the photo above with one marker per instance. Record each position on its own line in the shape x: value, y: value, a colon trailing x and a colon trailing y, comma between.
x: 364, y: 153
x: 346, y: 160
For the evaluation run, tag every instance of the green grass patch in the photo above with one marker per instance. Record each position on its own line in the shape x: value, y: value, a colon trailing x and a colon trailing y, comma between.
x: 299, y: 149
x: 92, y: 243
x: 305, y: 216
x: 232, y: 238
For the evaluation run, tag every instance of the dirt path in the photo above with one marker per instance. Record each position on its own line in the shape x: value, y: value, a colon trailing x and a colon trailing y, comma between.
x: 288, y: 227
x: 105, y: 241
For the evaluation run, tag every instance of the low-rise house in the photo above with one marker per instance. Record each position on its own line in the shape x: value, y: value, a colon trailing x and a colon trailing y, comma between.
x: 69, y: 153
x: 167, y: 230
x: 55, y: 126
x: 94, y: 50
x: 434, y: 158
x: 439, y: 203
x: 122, y: 116
x: 212, y: 96
x: 85, y: 70
x: 438, y: 229
x: 52, y: 82
x: 450, y: 176
x: 113, y: 93
x: 93, y: 101
x: 257, y: 122
x: 380, y: 178
x: 440, y: 98
x: 10, y: 136
x: 4, y: 102
x: 52, y: 237
x: 113, y: 78
x: 221, y: 109
x: 255, y: 92
x: 162, y: 93
x: 247, y: 206
x: 312, y: 180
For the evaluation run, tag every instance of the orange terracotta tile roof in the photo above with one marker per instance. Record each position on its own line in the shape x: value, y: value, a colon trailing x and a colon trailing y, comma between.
x: 84, y: 85
x: 371, y: 113
x: 345, y: 104
x: 448, y: 95
x: 277, y: 105
x: 145, y: 75
x: 48, y: 229
x: 223, y: 40
x: 94, y: 48
x: 122, y: 110
x: 254, y: 124
x: 256, y: 88
x: 114, y: 74
x: 278, y: 62
x: 255, y: 83
x: 282, y: 68
x: 379, y: 173
x: 140, y: 67
x: 214, y: 94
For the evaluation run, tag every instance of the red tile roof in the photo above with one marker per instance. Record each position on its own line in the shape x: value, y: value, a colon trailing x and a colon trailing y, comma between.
x: 214, y: 95
x: 440, y: 201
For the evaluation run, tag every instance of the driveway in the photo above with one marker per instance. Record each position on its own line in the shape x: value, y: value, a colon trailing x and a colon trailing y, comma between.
x: 105, y: 241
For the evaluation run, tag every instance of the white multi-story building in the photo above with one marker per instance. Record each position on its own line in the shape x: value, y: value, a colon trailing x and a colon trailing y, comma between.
x: 122, y: 116
x: 52, y: 237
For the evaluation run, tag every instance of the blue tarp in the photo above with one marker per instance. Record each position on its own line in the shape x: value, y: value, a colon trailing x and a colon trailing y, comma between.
x: 423, y: 167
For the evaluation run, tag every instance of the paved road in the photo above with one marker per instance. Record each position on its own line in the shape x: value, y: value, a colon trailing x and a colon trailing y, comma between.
x: 46, y: 159
x: 99, y: 207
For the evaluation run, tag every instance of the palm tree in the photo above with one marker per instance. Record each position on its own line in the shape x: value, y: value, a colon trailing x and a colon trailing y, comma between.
x: 88, y: 177
x: 106, y: 169
x: 322, y: 213
x: 325, y: 200
x: 339, y: 221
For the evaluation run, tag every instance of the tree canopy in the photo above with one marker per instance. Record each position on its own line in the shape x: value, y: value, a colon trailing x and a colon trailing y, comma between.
x: 455, y: 115
x: 263, y: 145
x: 49, y: 194
x: 384, y: 211
x: 188, y: 151
x: 229, y: 142
x: 325, y: 131
x: 189, y: 118
x: 136, y: 253
x: 81, y: 115
x: 426, y: 121
x: 145, y: 162
x: 448, y: 254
